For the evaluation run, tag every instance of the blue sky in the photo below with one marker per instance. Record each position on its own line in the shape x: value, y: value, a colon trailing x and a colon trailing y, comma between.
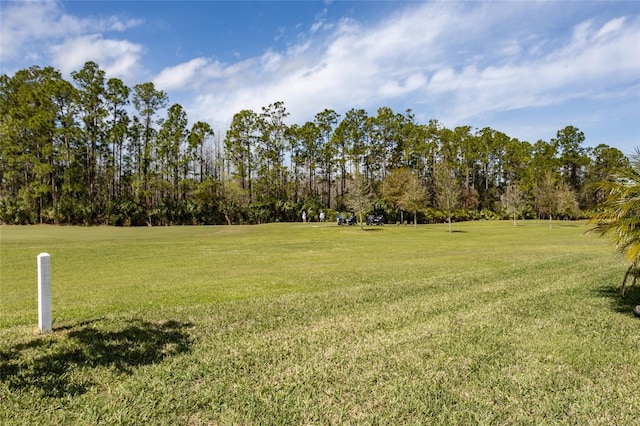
x: 522, y: 67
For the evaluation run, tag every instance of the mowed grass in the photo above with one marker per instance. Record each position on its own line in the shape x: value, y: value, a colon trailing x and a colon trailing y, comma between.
x: 318, y: 324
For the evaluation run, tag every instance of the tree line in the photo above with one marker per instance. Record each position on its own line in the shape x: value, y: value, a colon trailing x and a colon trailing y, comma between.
x: 95, y: 151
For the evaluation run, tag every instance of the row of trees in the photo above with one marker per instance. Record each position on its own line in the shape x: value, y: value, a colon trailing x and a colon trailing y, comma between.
x: 93, y: 150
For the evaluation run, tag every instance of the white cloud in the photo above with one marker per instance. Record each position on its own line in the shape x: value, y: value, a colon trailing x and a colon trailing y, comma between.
x: 457, y: 61
x: 117, y: 58
x: 26, y: 22
x: 180, y: 76
x: 35, y: 29
x: 438, y: 55
x: 318, y: 25
x: 271, y: 61
x: 352, y: 66
x: 582, y: 67
x: 611, y: 27
x: 510, y: 48
x: 410, y: 84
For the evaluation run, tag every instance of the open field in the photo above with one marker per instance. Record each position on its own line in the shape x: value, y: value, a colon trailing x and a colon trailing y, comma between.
x: 318, y: 324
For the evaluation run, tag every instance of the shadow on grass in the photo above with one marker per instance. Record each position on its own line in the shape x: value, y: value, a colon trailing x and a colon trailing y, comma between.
x: 619, y: 303
x: 55, y: 364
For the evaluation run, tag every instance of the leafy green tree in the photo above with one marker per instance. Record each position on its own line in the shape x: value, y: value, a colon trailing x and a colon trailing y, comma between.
x: 568, y: 206
x: 309, y: 153
x: 544, y: 160
x: 293, y: 136
x: 513, y: 201
x: 271, y: 144
x: 208, y: 199
x: 240, y: 147
x: 375, y: 151
x: 605, y: 163
x: 418, y: 146
x: 547, y: 197
x: 620, y: 216
x: 233, y: 201
x: 555, y: 198
x: 172, y: 138
x: 92, y: 105
x: 28, y: 141
x: 515, y: 161
x: 117, y: 99
x: 447, y: 190
x: 491, y: 147
x: 198, y: 135
x: 393, y: 189
x: 360, y: 198
x: 134, y: 148
x: 414, y: 197
x: 148, y: 102
x: 68, y: 166
x: 403, y: 190
x: 326, y: 122
x: 387, y: 126
x: 471, y: 151
x: 349, y: 138
x: 573, y: 158
x: 448, y: 148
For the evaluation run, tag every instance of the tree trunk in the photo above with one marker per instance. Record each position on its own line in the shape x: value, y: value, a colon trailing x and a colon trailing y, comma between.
x: 630, y: 271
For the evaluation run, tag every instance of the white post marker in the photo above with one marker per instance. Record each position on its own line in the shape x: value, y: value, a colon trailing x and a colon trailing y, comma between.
x: 44, y: 292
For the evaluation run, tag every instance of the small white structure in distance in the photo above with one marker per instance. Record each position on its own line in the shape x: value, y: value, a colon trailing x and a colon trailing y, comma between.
x: 44, y: 293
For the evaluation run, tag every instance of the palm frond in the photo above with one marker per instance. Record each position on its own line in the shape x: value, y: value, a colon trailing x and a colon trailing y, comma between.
x: 619, y: 217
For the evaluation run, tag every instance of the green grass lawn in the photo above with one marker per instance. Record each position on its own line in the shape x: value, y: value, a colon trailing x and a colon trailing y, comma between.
x: 318, y: 324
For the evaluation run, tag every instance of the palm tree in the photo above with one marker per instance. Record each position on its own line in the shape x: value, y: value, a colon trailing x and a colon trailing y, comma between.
x: 620, y: 216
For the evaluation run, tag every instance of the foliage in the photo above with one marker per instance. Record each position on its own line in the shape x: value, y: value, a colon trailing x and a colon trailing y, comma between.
x: 619, y: 217
x: 447, y: 190
x: 414, y: 196
x: 360, y: 200
x: 97, y: 146
x: 513, y: 202
x: 394, y: 187
x: 555, y: 198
